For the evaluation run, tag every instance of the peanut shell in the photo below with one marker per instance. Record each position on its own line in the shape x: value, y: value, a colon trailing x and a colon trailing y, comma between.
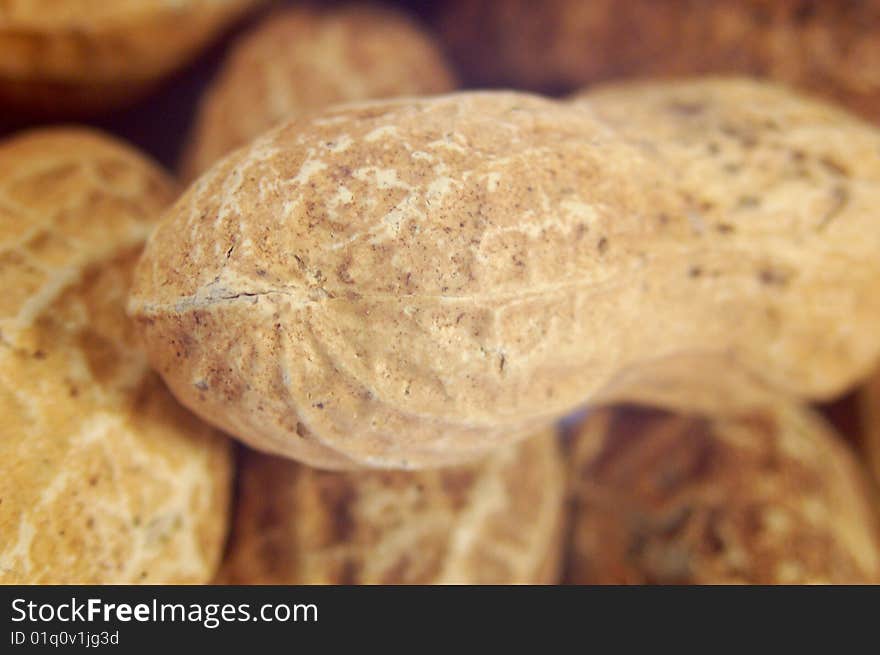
x: 767, y: 496
x: 412, y: 283
x: 301, y: 59
x: 104, y: 478
x: 494, y: 522
x: 86, y: 56
x: 830, y: 48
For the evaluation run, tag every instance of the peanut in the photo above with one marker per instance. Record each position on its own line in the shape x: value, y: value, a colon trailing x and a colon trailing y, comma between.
x: 415, y: 282
x: 86, y: 56
x: 301, y: 59
x: 494, y: 522
x: 769, y: 495
x: 104, y: 478
x: 830, y: 48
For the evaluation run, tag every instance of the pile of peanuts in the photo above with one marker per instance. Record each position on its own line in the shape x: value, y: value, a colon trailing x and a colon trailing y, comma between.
x: 488, y: 293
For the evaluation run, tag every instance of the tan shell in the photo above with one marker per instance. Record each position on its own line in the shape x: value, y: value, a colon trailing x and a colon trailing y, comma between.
x: 785, y: 190
x: 300, y: 59
x: 832, y: 48
x: 104, y: 478
x: 410, y: 283
x: 391, y: 283
x: 497, y: 522
x: 770, y: 496
x: 88, y: 55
